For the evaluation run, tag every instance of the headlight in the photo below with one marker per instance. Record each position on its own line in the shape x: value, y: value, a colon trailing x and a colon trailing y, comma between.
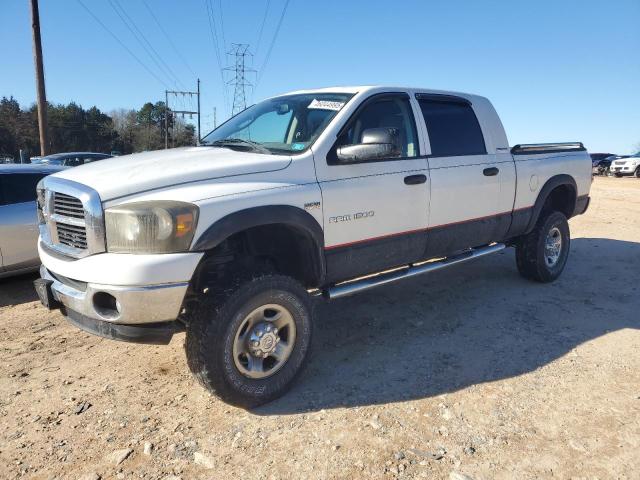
x: 150, y: 227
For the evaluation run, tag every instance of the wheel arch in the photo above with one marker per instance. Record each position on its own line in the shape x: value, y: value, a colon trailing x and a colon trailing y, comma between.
x: 561, y: 191
x: 257, y: 219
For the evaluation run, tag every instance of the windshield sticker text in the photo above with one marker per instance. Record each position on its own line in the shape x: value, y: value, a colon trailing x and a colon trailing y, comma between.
x: 326, y: 105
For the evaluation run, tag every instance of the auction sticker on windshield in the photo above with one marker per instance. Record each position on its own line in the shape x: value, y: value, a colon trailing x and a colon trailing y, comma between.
x: 326, y: 105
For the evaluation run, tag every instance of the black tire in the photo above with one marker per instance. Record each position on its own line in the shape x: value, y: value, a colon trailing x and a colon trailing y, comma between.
x: 212, y: 328
x: 638, y: 172
x: 530, y: 249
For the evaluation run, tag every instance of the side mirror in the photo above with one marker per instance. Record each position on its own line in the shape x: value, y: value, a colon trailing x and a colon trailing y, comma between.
x: 376, y: 143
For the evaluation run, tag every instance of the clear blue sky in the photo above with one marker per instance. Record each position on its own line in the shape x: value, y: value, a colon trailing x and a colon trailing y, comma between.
x: 556, y: 70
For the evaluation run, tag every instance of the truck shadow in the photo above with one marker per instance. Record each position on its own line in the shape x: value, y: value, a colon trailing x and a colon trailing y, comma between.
x: 17, y: 290
x: 470, y: 324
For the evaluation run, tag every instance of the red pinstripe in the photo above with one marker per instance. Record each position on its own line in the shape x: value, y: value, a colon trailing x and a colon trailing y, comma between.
x: 408, y: 232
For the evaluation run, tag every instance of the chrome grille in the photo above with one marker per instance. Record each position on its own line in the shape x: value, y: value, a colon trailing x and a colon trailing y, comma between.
x: 71, y: 219
x: 72, y: 235
x: 67, y: 206
x: 68, y: 213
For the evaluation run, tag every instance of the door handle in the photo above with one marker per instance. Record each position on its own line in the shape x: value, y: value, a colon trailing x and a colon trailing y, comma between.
x: 490, y: 172
x: 415, y: 179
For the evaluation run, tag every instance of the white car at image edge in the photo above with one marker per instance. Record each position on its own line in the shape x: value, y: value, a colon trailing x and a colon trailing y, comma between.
x: 624, y: 167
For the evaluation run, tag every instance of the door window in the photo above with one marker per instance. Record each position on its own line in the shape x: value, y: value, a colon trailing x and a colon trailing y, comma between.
x: 384, y: 111
x: 452, y: 126
x: 18, y: 187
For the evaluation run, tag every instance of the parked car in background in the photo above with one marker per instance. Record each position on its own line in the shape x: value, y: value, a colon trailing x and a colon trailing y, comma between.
x: 626, y: 166
x: 597, y: 157
x: 71, y: 159
x: 18, y: 217
x: 602, y: 167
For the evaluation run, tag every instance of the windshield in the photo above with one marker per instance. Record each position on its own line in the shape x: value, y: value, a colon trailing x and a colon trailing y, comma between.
x: 281, y: 125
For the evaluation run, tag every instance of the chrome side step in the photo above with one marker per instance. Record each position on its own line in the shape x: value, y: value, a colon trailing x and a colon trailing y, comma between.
x: 358, y: 285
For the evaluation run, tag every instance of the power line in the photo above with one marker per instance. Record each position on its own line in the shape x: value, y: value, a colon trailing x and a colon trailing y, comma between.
x: 273, y: 41
x: 175, y: 49
x: 141, y: 39
x: 122, y: 44
x: 214, y: 39
x: 224, y: 41
x: 158, y: 56
x: 264, y: 19
x: 213, y: 30
x: 126, y: 24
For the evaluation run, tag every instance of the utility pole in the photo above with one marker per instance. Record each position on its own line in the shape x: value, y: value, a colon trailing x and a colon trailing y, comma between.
x: 215, y: 118
x: 37, y: 59
x: 240, y: 51
x: 166, y: 119
x: 199, y: 134
x: 173, y: 113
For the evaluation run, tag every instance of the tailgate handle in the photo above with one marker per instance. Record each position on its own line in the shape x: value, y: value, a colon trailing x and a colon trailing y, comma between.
x: 490, y: 172
x: 415, y: 179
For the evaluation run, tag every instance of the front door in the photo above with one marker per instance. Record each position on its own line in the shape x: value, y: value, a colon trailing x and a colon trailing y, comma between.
x: 375, y: 211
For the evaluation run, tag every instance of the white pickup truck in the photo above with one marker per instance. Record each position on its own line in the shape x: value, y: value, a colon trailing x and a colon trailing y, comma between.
x: 313, y: 193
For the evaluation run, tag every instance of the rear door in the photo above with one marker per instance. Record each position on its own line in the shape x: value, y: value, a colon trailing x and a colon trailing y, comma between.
x: 466, y: 199
x: 18, y: 220
x: 375, y: 211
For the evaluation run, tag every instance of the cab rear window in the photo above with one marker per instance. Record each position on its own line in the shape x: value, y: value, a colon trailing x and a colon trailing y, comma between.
x: 452, y: 126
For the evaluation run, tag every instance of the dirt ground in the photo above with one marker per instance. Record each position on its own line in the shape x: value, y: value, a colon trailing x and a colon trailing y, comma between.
x: 471, y: 372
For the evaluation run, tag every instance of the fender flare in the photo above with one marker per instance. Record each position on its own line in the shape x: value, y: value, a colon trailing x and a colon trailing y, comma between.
x: 547, y: 188
x: 241, y: 220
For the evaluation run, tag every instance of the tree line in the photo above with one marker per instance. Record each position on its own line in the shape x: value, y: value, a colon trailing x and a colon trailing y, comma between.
x: 74, y: 129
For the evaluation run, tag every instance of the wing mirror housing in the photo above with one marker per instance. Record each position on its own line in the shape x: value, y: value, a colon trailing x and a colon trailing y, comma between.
x: 377, y: 143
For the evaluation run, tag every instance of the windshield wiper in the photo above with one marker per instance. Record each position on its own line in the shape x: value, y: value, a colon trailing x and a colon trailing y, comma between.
x: 233, y: 142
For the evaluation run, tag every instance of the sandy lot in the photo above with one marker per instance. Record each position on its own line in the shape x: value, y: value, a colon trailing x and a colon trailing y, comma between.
x: 471, y: 372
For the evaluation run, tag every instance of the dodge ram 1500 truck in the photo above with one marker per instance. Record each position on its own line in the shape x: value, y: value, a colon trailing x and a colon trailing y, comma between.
x: 314, y: 193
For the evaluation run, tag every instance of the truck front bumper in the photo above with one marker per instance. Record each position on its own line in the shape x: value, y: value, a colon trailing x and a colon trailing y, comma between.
x: 626, y: 170
x: 136, y: 298
x: 141, y: 314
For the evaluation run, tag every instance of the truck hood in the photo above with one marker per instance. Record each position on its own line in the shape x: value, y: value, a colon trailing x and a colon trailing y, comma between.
x: 142, y: 172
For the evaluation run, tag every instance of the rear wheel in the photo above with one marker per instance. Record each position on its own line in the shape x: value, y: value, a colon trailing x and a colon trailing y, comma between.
x: 248, y: 344
x: 542, y: 254
x: 638, y: 172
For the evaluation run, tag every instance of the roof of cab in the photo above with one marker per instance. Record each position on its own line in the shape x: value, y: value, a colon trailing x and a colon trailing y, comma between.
x: 377, y: 89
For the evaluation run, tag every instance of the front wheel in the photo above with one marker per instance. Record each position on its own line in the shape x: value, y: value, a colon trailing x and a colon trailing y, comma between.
x: 638, y: 172
x: 542, y: 254
x: 248, y: 344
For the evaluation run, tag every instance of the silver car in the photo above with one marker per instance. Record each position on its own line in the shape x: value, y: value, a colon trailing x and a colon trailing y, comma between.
x: 18, y: 217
